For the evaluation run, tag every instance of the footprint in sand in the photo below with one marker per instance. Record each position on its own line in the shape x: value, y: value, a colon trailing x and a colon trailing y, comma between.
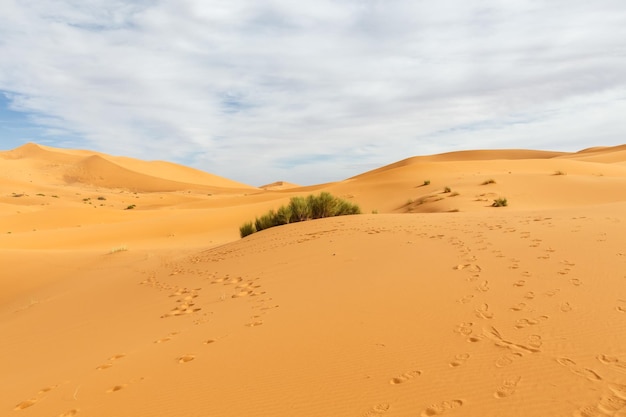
x: 575, y: 369
x: 405, y: 377
x: 529, y: 295
x: 507, y: 388
x: 459, y: 360
x: 613, y: 361
x: 378, y: 410
x: 466, y: 299
x: 621, y: 307
x: 69, y: 413
x: 508, y: 359
x: 166, y: 338
x: 104, y: 366
x: 185, y: 358
x: 483, y: 312
x: 519, y: 283
x: 254, y: 323
x: 526, y: 322
x: 116, y: 388
x: 441, y: 408
x: 518, y: 307
x: 535, y: 341
x: 464, y: 328
x: 26, y: 404
x: 575, y: 282
x: 483, y: 287
x: 566, y: 307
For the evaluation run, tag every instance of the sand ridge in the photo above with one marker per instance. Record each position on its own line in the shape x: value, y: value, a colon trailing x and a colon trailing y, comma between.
x: 441, y: 306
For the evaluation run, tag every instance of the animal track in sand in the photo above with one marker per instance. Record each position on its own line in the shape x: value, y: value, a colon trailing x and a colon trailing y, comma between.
x: 483, y: 287
x: 566, y: 307
x: 621, y: 307
x: 185, y: 358
x: 104, y: 366
x: 466, y: 299
x: 405, y: 377
x: 378, y: 410
x: 32, y: 401
x: 553, y: 292
x: 584, y: 372
x: 441, y: 408
x: 254, y: 323
x: 166, y: 338
x: 459, y: 360
x: 612, y: 361
x: 69, y: 413
x: 507, y: 388
x: 535, y: 341
x: 116, y: 388
x: 519, y: 283
x: 483, y: 312
x: 464, y: 328
x: 506, y: 360
x: 575, y: 282
x: 26, y: 404
x: 526, y: 322
x: 529, y: 295
x: 518, y: 307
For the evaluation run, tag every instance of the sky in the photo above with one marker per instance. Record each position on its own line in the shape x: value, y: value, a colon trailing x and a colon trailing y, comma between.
x: 310, y: 91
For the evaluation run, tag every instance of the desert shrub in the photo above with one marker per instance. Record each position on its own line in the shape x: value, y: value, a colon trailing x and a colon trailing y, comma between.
x: 247, y: 229
x: 447, y: 190
x: 489, y: 181
x: 560, y: 173
x: 426, y: 182
x: 500, y: 202
x: 132, y: 206
x: 322, y: 205
x: 301, y: 209
x: 101, y: 198
x: 266, y: 221
x: 282, y: 216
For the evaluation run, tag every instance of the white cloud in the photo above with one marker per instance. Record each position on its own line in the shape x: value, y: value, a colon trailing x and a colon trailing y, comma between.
x: 249, y: 89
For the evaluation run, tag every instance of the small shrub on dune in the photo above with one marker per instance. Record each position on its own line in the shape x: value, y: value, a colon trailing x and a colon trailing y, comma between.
x: 282, y: 216
x: 426, y: 182
x: 500, y: 202
x: 447, y: 190
x: 489, y: 181
x: 247, y: 229
x: 322, y: 205
x: 265, y: 221
x: 301, y: 209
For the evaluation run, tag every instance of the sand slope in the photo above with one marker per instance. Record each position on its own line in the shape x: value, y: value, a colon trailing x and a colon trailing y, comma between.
x: 415, y: 311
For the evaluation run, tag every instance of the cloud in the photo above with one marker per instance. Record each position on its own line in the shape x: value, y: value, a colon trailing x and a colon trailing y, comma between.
x: 259, y: 91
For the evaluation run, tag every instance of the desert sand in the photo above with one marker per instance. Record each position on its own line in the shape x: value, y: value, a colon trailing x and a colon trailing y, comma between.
x: 125, y: 289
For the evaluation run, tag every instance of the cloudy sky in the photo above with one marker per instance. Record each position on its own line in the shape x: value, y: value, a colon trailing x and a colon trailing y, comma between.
x: 310, y: 91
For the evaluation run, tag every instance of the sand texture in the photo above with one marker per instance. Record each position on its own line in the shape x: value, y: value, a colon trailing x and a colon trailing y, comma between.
x: 125, y: 289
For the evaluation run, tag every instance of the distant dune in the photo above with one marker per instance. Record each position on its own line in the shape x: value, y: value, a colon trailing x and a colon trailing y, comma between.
x: 126, y: 291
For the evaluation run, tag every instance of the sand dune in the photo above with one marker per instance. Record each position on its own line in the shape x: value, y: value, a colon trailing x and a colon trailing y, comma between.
x: 438, y: 305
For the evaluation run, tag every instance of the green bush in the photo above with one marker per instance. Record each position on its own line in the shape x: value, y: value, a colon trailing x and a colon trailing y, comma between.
x: 247, y: 229
x: 500, y: 202
x: 301, y: 209
x: 426, y: 182
x: 447, y: 190
x: 489, y: 181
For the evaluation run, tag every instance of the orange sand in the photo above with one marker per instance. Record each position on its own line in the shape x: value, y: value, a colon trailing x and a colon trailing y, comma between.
x: 438, y: 305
